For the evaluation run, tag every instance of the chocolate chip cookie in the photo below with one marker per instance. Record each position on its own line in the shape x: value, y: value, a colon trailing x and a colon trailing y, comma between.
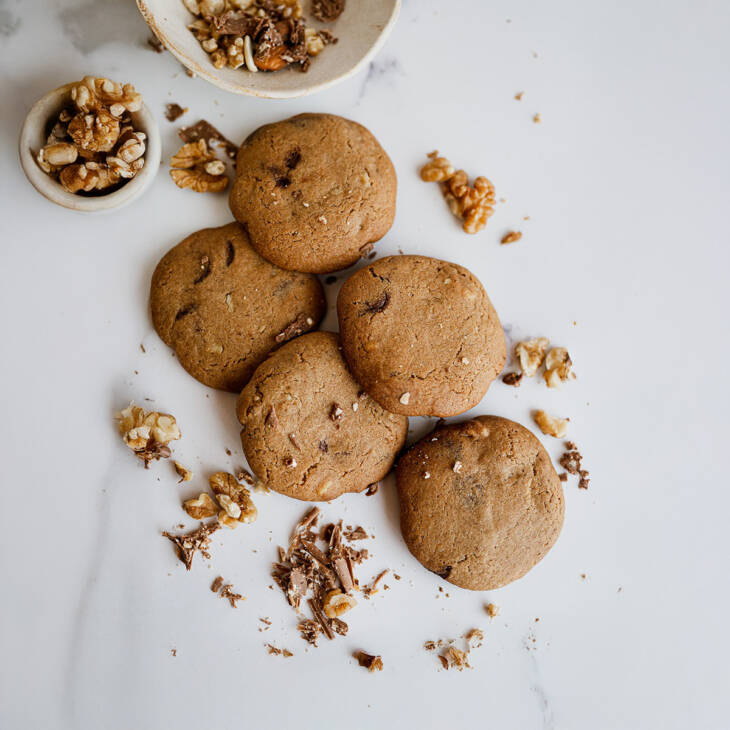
x: 314, y: 192
x: 420, y: 335
x: 223, y: 308
x: 480, y: 502
x: 308, y: 430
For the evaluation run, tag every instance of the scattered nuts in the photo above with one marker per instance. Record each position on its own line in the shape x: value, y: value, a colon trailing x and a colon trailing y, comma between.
x: 234, y: 498
x: 201, y: 507
x: 511, y: 237
x: 147, y: 434
x: 531, y: 354
x: 191, y: 167
x: 558, y: 367
x: 185, y: 474
x: 336, y: 603
x: 551, y: 425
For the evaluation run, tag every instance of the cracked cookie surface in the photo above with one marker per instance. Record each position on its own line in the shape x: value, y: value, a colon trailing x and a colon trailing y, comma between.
x: 308, y: 429
x: 314, y: 192
x: 480, y: 502
x: 223, y: 308
x: 420, y: 335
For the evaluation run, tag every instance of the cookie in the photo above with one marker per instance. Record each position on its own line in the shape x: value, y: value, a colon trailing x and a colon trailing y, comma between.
x: 308, y: 430
x: 223, y: 308
x: 314, y: 192
x: 420, y: 335
x: 480, y: 502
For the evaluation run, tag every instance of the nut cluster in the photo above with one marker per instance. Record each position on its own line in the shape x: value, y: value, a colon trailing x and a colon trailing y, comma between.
x: 195, y: 167
x: 532, y: 354
x: 93, y: 144
x: 473, y: 204
x: 258, y: 35
x: 147, y: 433
x: 233, y: 506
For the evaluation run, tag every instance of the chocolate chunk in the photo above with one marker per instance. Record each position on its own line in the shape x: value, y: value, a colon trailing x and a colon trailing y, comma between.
x: 300, y: 325
x: 512, y: 378
x: 173, y: 112
x: 371, y: 662
x: 377, y: 305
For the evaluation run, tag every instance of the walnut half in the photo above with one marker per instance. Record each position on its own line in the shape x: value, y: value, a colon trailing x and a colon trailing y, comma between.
x: 195, y: 167
x: 147, y: 434
x: 234, y: 498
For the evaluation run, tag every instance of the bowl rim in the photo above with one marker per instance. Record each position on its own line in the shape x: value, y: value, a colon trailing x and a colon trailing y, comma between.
x: 37, y: 119
x: 207, y: 73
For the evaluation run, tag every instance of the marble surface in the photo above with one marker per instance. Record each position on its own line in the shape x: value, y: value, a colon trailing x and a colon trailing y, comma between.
x: 624, y: 260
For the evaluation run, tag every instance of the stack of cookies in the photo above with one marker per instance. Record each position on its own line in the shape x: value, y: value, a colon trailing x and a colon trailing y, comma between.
x: 323, y: 414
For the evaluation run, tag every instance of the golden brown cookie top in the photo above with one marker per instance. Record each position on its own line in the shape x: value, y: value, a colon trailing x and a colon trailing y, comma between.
x: 308, y: 430
x: 480, y: 502
x: 223, y: 308
x: 420, y: 335
x: 314, y: 191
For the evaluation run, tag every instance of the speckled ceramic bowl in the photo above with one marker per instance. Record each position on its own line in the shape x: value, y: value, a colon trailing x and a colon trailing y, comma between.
x: 361, y: 29
x: 33, y: 137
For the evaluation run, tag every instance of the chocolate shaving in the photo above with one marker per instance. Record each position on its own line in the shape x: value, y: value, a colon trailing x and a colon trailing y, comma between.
x: 272, y: 419
x: 205, y: 130
x: 318, y: 613
x: 217, y: 583
x: 152, y: 451
x: 512, y: 378
x: 357, y: 533
x: 279, y: 652
x: 377, y: 305
x: 195, y: 541
x: 373, y: 587
x: 309, y: 630
x: 371, y: 662
x: 173, y: 112
x: 232, y: 23
x: 327, y: 10
x: 300, y: 325
x: 227, y: 592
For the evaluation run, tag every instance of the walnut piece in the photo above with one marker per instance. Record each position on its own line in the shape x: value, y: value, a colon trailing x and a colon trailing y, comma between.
x: 94, y: 94
x: 531, y: 353
x: 336, y: 603
x: 185, y: 474
x: 96, y: 132
x: 558, y: 367
x: 196, y: 168
x: 492, y: 610
x: 201, y: 507
x: 87, y: 176
x: 472, y: 204
x: 551, y: 425
x: 147, y: 434
x: 234, y: 498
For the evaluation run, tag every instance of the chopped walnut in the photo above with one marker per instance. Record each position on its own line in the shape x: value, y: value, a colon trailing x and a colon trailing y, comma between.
x: 453, y: 657
x: 511, y: 237
x: 95, y: 132
x: 371, y: 662
x: 194, y: 167
x: 185, y: 474
x: 94, y: 94
x: 336, y: 603
x: 201, y: 507
x: 147, y: 434
x: 551, y: 425
x: 472, y: 204
x: 558, y: 367
x: 531, y: 354
x: 234, y: 498
x: 228, y: 592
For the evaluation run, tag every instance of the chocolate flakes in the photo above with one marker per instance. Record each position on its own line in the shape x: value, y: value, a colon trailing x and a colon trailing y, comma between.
x: 299, y: 326
x: 513, y: 378
x: 371, y: 662
x: 377, y: 305
x: 315, y: 564
x: 206, y: 131
x: 327, y: 10
x: 196, y: 541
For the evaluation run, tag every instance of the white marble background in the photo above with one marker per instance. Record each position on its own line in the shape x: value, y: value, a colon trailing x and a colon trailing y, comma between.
x: 624, y: 260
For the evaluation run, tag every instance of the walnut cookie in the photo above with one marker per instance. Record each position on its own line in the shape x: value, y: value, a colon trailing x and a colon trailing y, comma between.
x: 223, y: 308
x: 420, y: 335
x: 480, y: 502
x: 308, y: 430
x: 314, y: 191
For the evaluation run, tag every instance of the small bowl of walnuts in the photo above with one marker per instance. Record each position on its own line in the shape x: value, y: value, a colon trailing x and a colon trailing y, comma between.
x: 91, y: 145
x: 276, y: 49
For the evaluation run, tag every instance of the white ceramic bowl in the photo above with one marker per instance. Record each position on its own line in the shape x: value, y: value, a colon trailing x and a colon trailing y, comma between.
x: 361, y: 29
x: 33, y: 137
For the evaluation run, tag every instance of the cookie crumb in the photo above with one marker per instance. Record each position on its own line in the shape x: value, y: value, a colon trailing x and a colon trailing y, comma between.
x: 371, y: 662
x: 519, y: 95
x: 537, y: 119
x: 492, y: 610
x: 174, y: 111
x: 511, y: 237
